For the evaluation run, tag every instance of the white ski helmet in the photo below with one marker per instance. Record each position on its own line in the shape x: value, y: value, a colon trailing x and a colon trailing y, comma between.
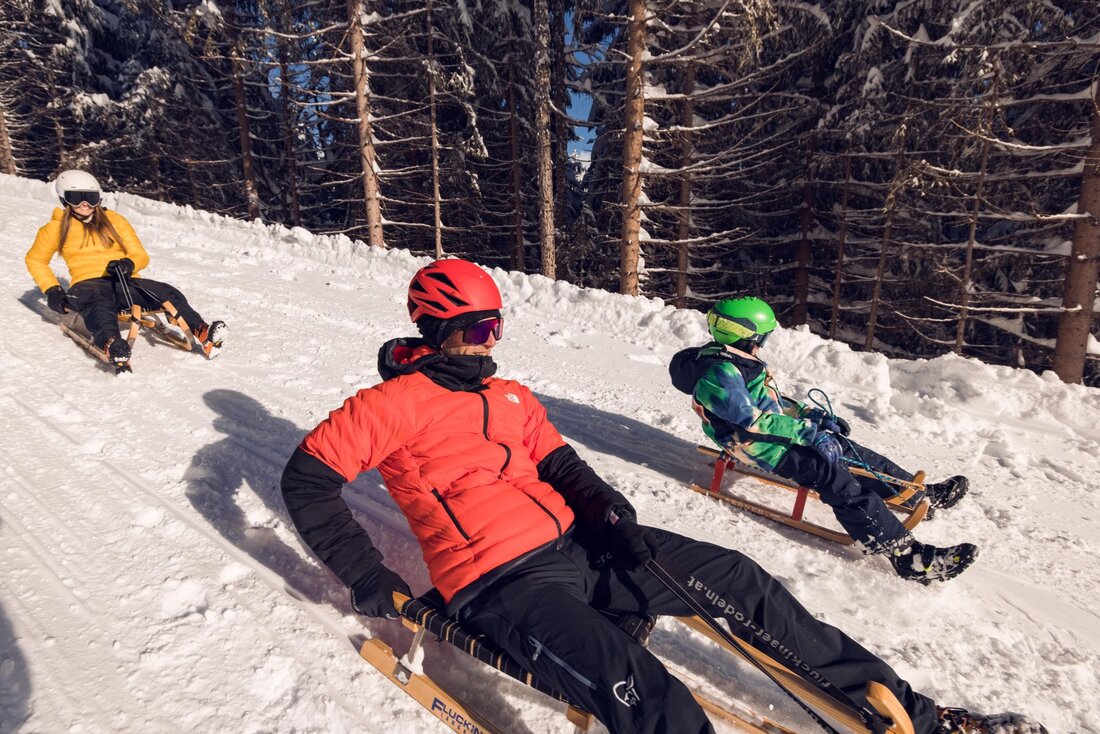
x: 77, y: 183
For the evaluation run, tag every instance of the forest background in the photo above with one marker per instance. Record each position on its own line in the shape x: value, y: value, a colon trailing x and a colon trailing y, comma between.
x: 908, y: 176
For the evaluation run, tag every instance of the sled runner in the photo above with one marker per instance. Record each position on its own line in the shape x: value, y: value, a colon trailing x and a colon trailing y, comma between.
x: 425, y: 615
x: 880, y: 697
x: 908, y: 500
x: 156, y: 322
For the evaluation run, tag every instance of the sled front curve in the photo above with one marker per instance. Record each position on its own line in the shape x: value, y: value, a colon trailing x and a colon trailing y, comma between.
x: 879, y: 696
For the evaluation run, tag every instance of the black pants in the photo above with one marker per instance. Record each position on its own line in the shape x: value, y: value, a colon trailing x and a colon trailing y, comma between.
x: 876, y: 462
x: 546, y: 613
x: 856, y: 502
x: 100, y: 299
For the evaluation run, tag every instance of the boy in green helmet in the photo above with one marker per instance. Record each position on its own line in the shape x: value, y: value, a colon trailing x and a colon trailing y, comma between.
x: 746, y: 415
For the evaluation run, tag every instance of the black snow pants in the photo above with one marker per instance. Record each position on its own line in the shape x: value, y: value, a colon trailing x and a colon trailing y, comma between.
x: 857, y: 505
x: 876, y: 462
x: 100, y: 299
x: 547, y: 613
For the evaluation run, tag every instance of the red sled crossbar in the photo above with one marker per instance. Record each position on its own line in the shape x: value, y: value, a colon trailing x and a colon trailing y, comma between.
x: 723, y: 461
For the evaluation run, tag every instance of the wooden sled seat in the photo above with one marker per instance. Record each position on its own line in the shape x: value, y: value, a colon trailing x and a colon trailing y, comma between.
x: 156, y: 321
x: 904, y: 502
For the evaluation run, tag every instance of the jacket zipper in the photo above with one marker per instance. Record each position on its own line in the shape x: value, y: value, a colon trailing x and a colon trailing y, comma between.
x: 557, y: 524
x: 485, y: 432
x: 507, y: 460
x: 450, y: 513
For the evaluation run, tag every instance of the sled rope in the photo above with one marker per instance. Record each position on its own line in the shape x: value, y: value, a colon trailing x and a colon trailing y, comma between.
x: 127, y: 283
x: 125, y: 291
x: 827, y: 406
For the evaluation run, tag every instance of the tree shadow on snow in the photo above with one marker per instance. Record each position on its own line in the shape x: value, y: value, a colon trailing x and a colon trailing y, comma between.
x: 15, y: 683
x: 626, y: 438
x: 250, y: 457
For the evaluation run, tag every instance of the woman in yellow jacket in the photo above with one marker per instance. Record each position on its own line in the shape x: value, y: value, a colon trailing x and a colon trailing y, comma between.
x: 98, y: 246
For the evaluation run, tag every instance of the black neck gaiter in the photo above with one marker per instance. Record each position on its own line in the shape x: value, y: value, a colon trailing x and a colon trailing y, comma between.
x: 460, y: 372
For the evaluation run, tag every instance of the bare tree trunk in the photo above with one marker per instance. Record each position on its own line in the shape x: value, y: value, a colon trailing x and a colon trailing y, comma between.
x: 806, y: 216
x: 7, y: 156
x: 542, y: 140
x: 184, y: 158
x: 1077, y: 316
x: 62, y: 153
x: 561, y: 103
x: 842, y: 235
x: 158, y: 184
x: 517, y: 179
x: 889, y: 208
x: 800, y: 313
x: 242, y: 124
x: 971, y: 238
x: 968, y: 267
x: 687, y: 149
x: 371, y: 191
x: 437, y: 217
x: 241, y: 101
x: 884, y: 248
x: 633, y: 114
x: 286, y: 112
x: 55, y: 118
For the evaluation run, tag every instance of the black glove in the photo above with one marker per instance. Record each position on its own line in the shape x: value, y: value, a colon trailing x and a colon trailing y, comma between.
x: 632, y: 546
x: 57, y: 300
x: 834, y: 424
x: 123, y: 267
x: 839, y: 426
x: 826, y: 444
x: 372, y: 596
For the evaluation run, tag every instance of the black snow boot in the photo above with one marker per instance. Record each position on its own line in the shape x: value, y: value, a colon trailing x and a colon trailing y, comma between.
x: 117, y: 351
x: 927, y: 563
x: 961, y: 721
x: 947, y: 493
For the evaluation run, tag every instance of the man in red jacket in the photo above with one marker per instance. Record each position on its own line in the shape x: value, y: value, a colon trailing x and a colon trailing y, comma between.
x: 526, y: 544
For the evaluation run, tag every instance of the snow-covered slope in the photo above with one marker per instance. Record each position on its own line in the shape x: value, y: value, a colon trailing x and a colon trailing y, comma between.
x: 149, y: 580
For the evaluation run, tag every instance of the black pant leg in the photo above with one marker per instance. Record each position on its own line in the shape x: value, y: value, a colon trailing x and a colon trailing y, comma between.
x: 753, y: 602
x: 861, y: 512
x: 95, y: 300
x: 876, y: 462
x: 152, y: 293
x: 539, y: 614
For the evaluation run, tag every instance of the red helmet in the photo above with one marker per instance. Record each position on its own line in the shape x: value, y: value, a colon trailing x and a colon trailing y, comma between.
x: 448, y: 288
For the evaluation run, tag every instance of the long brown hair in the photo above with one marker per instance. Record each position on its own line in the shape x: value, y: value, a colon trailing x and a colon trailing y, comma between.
x: 98, y: 228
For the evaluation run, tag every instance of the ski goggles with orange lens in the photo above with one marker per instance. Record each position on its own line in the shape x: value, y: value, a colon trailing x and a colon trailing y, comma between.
x: 76, y: 198
x: 480, y: 332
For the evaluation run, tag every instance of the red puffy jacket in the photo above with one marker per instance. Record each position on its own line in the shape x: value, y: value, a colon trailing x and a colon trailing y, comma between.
x: 462, y: 464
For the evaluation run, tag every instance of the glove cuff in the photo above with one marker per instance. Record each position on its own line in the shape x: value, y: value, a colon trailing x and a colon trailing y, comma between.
x: 620, y: 512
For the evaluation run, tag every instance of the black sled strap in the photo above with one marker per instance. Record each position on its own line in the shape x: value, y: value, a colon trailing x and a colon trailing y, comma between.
x: 427, y: 611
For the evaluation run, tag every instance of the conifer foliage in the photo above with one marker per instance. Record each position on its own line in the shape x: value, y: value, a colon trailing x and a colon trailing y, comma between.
x: 909, y: 177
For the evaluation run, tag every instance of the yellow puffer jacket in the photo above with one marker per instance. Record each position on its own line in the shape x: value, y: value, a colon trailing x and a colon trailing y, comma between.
x: 85, y: 256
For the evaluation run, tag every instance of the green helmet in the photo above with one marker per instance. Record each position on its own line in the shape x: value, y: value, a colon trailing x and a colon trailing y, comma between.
x: 741, y: 319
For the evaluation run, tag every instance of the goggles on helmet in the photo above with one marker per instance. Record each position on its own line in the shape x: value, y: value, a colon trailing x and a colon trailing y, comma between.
x: 729, y: 326
x: 480, y: 332
x: 76, y: 198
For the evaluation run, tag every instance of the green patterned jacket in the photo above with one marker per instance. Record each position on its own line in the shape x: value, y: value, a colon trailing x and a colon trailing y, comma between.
x: 741, y: 408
